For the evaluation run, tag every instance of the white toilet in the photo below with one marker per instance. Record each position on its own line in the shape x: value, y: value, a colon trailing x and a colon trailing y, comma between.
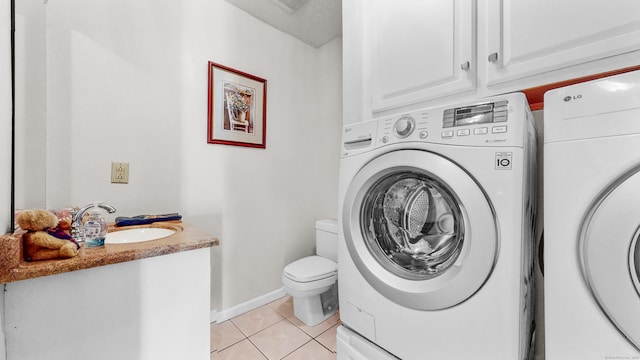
x: 312, y: 281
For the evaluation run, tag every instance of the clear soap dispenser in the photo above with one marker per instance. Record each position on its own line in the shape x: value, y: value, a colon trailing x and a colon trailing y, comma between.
x: 95, y: 227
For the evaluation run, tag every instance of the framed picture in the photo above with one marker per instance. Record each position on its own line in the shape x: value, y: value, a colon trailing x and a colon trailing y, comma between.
x: 237, y: 108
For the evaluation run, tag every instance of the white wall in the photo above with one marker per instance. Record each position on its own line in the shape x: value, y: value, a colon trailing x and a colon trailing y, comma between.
x: 127, y: 82
x: 261, y: 203
x: 5, y: 142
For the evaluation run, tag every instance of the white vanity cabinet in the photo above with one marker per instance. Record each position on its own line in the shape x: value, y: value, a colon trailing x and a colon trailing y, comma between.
x: 150, y: 309
x: 526, y: 38
x: 404, y: 54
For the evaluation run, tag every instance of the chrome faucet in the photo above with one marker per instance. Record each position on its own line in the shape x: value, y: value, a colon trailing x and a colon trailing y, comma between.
x: 76, y: 223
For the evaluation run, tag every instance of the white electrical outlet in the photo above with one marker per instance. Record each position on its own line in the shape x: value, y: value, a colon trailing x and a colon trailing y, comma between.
x: 119, y: 173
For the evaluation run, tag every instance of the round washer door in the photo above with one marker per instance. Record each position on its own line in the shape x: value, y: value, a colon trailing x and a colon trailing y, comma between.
x: 419, y: 229
x: 610, y: 253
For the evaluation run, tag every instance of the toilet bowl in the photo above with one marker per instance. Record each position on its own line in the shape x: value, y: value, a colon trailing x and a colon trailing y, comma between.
x: 312, y: 281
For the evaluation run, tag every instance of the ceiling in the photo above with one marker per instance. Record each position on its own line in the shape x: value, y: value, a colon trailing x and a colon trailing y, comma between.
x: 313, y: 21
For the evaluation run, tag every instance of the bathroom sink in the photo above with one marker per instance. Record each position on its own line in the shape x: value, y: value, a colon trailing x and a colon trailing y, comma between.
x: 137, y: 235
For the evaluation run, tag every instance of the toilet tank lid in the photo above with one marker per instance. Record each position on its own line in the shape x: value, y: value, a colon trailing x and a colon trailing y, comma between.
x: 329, y: 225
x: 310, y: 268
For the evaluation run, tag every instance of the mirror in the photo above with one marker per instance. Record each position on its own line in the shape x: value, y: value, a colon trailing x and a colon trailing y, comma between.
x: 98, y: 83
x: 30, y: 104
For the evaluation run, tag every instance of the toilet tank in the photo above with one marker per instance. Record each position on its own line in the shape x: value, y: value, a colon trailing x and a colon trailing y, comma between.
x: 327, y: 239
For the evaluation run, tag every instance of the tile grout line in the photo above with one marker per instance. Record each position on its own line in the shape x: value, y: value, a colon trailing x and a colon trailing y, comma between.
x: 298, y: 348
x: 321, y: 344
x: 283, y: 317
x: 289, y: 353
x: 311, y: 338
x: 294, y: 350
x: 249, y: 336
x: 257, y: 348
x: 241, y: 332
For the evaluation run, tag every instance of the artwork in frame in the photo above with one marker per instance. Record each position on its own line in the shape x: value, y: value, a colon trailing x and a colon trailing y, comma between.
x: 237, y: 108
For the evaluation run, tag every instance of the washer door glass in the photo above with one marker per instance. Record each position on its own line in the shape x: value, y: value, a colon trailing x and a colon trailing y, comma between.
x: 610, y: 253
x: 412, y: 224
x: 419, y: 229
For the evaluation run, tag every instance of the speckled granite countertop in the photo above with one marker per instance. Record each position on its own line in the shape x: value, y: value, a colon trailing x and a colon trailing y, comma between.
x: 14, y: 268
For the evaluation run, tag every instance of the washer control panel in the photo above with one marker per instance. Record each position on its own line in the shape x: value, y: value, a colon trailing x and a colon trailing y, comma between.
x: 487, y: 113
x: 496, y: 122
x: 486, y: 122
x: 475, y: 120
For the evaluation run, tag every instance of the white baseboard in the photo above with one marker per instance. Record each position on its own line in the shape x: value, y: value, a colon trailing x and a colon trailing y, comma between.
x: 226, y: 314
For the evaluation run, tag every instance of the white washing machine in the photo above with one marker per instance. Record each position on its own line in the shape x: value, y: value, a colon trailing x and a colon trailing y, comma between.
x: 592, y: 220
x: 436, y: 233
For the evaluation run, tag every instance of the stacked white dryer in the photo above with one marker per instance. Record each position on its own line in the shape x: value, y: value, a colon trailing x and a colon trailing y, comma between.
x: 592, y: 220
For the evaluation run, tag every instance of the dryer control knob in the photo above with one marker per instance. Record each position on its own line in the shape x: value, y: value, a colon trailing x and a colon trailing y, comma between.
x: 404, y: 126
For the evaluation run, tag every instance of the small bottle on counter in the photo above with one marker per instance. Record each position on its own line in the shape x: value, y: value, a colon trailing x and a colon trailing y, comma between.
x: 95, y: 227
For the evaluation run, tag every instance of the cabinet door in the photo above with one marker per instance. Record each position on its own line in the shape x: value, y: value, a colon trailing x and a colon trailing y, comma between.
x: 527, y: 38
x: 416, y: 50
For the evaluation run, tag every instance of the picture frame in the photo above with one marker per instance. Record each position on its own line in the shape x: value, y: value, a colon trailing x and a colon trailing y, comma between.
x: 237, y: 107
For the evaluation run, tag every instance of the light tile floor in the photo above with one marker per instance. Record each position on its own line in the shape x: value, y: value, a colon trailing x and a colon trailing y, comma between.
x: 271, y: 332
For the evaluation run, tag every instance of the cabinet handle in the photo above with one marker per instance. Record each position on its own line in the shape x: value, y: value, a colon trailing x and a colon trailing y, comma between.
x: 493, y: 57
x: 465, y: 66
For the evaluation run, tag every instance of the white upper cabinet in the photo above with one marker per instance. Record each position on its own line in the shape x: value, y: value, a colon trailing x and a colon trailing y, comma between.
x: 416, y: 49
x: 403, y: 54
x: 526, y: 38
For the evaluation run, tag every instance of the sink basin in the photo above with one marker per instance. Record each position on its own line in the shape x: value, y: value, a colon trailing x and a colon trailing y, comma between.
x: 137, y: 235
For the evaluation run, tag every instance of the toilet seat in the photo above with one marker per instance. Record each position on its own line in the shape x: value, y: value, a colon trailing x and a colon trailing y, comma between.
x: 311, y: 268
